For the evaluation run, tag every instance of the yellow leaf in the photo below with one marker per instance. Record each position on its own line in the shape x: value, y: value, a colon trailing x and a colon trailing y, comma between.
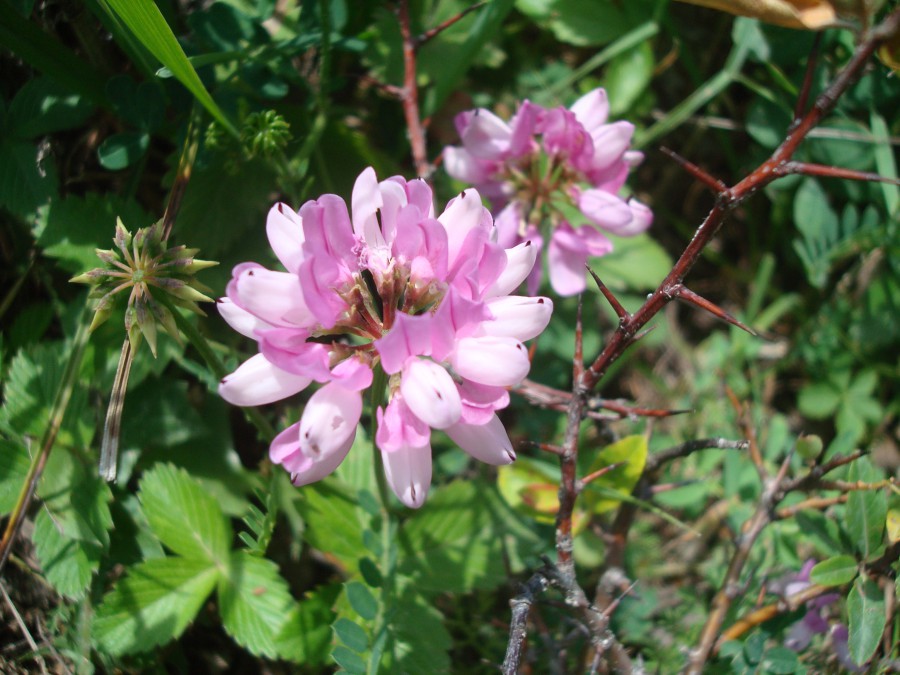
x: 631, y: 453
x: 893, y: 524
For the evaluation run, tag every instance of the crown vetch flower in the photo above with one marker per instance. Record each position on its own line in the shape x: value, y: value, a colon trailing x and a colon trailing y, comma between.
x: 544, y: 157
x: 386, y: 284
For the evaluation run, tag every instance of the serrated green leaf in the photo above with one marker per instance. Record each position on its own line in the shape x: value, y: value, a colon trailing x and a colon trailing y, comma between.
x: 333, y: 522
x: 361, y: 600
x: 68, y: 563
x: 254, y: 602
x: 835, y: 571
x: 147, y: 23
x: 631, y: 452
x: 819, y: 400
x: 865, y: 612
x: 152, y: 604
x: 184, y: 516
x: 306, y: 634
x: 866, y: 510
x: 416, y: 622
x: 77, y: 499
x: 351, y: 634
x: 71, y: 230
x: 14, y: 463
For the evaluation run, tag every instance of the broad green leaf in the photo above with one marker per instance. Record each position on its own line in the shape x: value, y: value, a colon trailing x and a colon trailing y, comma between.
x: 636, y: 263
x: 835, y: 571
x: 14, y: 463
x: 28, y: 178
x: 43, y: 106
x: 70, y: 230
x: 68, y: 563
x: 334, y: 524
x: 779, y: 660
x: 866, y: 510
x: 885, y: 162
x: 628, y: 76
x: 183, y: 515
x: 457, y: 543
x: 865, y: 611
x: 416, y: 622
x: 144, y: 19
x: 152, y: 604
x: 77, y: 498
x: 586, y: 22
x: 254, y: 602
x: 630, y: 451
x: 819, y: 400
x: 306, y: 635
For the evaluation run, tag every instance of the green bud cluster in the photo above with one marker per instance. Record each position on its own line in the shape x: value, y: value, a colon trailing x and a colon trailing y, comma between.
x: 146, y: 267
x: 264, y: 133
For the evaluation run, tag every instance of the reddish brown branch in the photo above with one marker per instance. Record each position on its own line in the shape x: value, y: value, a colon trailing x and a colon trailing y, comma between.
x: 409, y: 94
x: 713, y: 183
x: 807, y: 169
x: 431, y: 33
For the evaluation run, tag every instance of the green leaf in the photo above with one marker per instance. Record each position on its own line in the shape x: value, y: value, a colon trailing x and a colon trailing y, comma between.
x: 349, y: 661
x: 333, y: 522
x: 152, y: 604
x: 416, y: 622
x: 144, y: 19
x: 865, y: 611
x: 254, y: 602
x: 361, y: 600
x: 27, y: 178
x: 835, y: 571
x: 68, y: 563
x: 586, y: 22
x: 779, y: 661
x: 630, y: 451
x: 628, y: 76
x: 306, y: 634
x: 351, y: 634
x: 77, y: 499
x: 636, y: 263
x: 120, y: 151
x: 70, y: 230
x: 183, y: 515
x: 866, y: 510
x: 818, y: 401
x: 14, y: 463
x: 43, y: 106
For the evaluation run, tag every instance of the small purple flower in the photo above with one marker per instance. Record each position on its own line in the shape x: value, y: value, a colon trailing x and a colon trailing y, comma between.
x: 389, y: 285
x: 546, y: 157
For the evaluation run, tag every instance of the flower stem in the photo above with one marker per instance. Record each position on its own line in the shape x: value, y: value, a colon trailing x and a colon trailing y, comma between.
x: 379, y: 391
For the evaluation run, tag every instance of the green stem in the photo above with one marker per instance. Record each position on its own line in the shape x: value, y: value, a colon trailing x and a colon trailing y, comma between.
x: 379, y: 395
x: 60, y: 404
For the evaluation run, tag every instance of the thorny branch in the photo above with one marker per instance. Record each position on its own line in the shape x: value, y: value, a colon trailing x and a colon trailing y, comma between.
x: 779, y: 164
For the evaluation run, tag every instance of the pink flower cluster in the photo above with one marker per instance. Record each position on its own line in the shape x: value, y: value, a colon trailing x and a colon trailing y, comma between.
x: 388, y: 287
x: 544, y: 157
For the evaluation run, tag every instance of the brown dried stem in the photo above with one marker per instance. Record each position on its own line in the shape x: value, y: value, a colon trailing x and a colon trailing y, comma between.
x: 409, y: 93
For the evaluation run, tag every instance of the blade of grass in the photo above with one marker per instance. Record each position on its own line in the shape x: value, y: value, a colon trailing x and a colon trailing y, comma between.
x: 144, y: 20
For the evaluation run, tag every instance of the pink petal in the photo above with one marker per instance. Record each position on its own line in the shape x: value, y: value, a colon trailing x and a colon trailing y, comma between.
x: 289, y: 350
x: 592, y: 109
x: 519, y: 263
x: 566, y: 258
x: 408, y: 472
x: 274, y: 297
x: 329, y: 421
x: 606, y: 209
x: 593, y: 241
x: 495, y: 361
x: 257, y: 381
x: 479, y: 401
x: 487, y: 136
x: 642, y: 218
x: 462, y: 215
x: 409, y: 336
x: 610, y: 143
x: 240, y: 319
x: 285, y: 450
x: 523, y: 126
x: 517, y: 317
x: 284, y: 227
x: 488, y: 442
x: 463, y: 166
x: 430, y: 393
x: 508, y: 223
x: 353, y: 374
x: 398, y: 427
x: 365, y: 202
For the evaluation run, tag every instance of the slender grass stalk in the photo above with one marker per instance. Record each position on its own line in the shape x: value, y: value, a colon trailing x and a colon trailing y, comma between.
x: 39, y: 460
x: 109, y: 447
